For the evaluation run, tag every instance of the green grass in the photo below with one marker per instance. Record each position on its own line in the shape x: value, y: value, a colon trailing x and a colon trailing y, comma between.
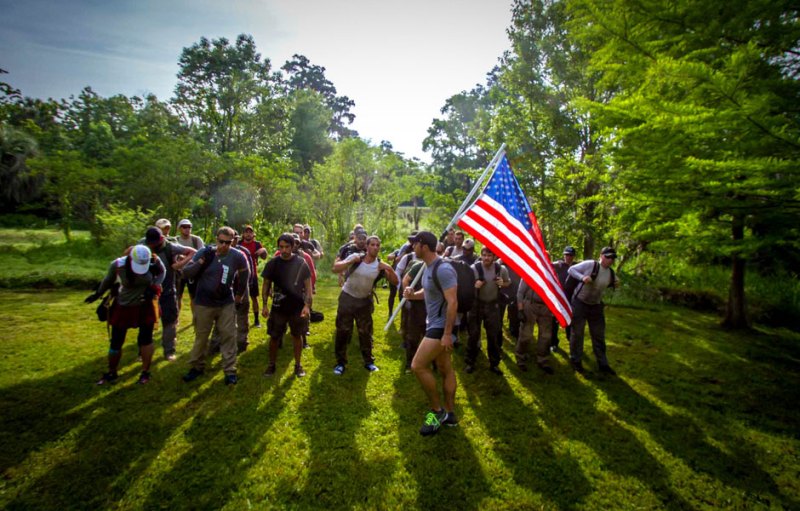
x: 698, y: 419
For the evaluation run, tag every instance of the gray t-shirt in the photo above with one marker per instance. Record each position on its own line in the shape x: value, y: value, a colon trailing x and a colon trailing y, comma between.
x: 434, y: 300
x: 591, y: 293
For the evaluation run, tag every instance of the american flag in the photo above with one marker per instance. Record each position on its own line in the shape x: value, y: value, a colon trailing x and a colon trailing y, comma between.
x: 502, y: 220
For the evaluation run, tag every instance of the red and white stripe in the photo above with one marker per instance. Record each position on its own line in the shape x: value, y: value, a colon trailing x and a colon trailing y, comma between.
x: 489, y: 222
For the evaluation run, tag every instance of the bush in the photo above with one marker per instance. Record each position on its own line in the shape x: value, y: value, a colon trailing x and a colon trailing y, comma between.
x: 118, y: 227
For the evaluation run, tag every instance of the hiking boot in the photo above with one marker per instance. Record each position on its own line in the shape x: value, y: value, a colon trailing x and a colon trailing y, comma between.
x: 339, y: 369
x: 450, y: 420
x: 231, y: 379
x: 192, y: 375
x: 547, y: 369
x: 371, y: 368
x: 144, y: 378
x: 433, y: 421
x: 171, y: 357
x: 496, y: 370
x: 469, y: 369
x: 607, y: 370
x: 270, y: 370
x: 107, y: 378
x: 299, y: 371
x: 578, y: 367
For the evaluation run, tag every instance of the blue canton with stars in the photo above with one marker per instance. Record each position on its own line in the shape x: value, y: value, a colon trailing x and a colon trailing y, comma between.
x: 504, y: 188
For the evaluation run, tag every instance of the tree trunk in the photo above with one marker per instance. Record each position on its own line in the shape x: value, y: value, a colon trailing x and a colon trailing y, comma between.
x: 736, y: 308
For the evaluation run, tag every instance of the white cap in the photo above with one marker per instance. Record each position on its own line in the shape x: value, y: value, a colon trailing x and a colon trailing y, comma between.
x: 185, y: 221
x: 162, y: 222
x: 140, y: 259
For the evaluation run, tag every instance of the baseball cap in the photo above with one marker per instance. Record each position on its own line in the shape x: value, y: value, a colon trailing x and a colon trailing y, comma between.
x: 153, y: 235
x: 185, y: 221
x: 426, y: 238
x: 609, y: 252
x: 468, y: 244
x: 163, y: 222
x: 248, y: 227
x: 569, y: 250
x: 411, y: 236
x: 307, y: 228
x: 140, y: 259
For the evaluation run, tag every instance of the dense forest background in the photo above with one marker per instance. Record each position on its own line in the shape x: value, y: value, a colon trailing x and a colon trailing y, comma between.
x: 667, y: 129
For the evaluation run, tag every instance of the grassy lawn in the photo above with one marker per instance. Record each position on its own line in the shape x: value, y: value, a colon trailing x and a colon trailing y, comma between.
x: 698, y: 419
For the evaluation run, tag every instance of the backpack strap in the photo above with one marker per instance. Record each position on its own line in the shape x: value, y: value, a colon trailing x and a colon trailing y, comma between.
x: 435, y: 276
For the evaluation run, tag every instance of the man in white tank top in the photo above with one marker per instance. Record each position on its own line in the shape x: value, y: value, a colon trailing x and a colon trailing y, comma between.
x: 362, y: 271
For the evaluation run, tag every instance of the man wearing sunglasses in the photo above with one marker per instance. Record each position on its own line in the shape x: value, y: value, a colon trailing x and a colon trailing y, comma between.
x: 222, y: 275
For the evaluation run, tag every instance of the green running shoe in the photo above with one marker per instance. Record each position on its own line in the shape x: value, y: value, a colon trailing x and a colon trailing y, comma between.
x: 433, y: 421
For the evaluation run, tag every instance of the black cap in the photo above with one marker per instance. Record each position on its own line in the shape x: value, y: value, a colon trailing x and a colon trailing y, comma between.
x: 569, y: 250
x: 412, y: 235
x: 609, y: 252
x: 153, y: 235
x: 426, y: 238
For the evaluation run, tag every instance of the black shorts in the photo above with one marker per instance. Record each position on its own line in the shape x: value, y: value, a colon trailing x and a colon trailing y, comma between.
x: 277, y: 323
x: 253, y: 285
x: 434, y: 333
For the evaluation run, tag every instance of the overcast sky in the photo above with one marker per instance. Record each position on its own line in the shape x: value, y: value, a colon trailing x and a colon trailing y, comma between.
x: 398, y: 61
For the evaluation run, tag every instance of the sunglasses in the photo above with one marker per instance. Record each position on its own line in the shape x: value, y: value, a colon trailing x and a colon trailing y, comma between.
x: 186, y: 227
x: 224, y: 242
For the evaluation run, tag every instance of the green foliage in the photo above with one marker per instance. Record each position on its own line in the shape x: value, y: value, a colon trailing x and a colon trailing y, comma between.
x: 119, y: 227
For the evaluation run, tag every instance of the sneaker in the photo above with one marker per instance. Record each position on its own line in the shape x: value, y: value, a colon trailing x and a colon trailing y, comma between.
x: 231, y: 379
x: 371, y: 368
x: 469, y: 369
x: 496, y: 370
x: 192, y: 375
x: 257, y: 324
x: 433, y: 421
x: 270, y: 370
x: 547, y: 369
x: 107, y: 378
x: 451, y: 420
x: 144, y: 378
x: 299, y: 371
x: 338, y: 370
x: 171, y: 357
x: 607, y: 370
x: 306, y: 345
x: 578, y: 367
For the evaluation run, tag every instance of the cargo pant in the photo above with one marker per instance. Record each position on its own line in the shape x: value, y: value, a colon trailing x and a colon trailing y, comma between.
x: 415, y: 316
x: 242, y: 329
x: 583, y: 313
x: 206, y: 318
x: 538, y: 314
x: 488, y: 315
x: 359, y: 310
x: 168, y: 303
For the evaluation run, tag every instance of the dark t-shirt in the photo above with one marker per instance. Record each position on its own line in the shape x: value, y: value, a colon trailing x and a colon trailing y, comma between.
x: 215, y: 285
x: 288, y: 283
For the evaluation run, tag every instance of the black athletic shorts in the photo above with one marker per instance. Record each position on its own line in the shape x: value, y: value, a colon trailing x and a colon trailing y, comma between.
x: 437, y: 333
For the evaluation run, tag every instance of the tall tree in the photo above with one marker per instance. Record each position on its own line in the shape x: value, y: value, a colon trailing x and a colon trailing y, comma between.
x: 704, y: 121
x: 303, y: 75
x: 228, y: 95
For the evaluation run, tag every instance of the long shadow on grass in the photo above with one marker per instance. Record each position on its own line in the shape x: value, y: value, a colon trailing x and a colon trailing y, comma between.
x: 445, y: 467
x: 339, y: 474
x: 526, y: 451
x: 97, y: 453
x: 225, y: 430
x: 569, y: 408
x: 683, y: 437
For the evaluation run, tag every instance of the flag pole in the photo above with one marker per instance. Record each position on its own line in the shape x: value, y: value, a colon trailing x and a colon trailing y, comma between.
x: 464, y: 205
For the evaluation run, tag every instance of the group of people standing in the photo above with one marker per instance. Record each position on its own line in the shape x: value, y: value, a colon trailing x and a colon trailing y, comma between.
x: 222, y: 278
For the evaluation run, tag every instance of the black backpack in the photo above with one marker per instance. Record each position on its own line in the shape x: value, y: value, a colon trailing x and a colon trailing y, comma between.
x: 572, y: 285
x: 465, y: 279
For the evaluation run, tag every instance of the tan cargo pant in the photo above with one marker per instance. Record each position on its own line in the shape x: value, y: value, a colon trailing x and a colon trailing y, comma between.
x: 225, y: 320
x: 535, y: 314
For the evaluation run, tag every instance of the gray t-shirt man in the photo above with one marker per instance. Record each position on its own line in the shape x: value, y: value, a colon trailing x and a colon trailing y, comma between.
x: 359, y: 282
x: 591, y: 293
x: 434, y: 299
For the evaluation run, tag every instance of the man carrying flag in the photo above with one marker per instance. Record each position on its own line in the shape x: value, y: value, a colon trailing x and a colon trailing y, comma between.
x: 502, y: 220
